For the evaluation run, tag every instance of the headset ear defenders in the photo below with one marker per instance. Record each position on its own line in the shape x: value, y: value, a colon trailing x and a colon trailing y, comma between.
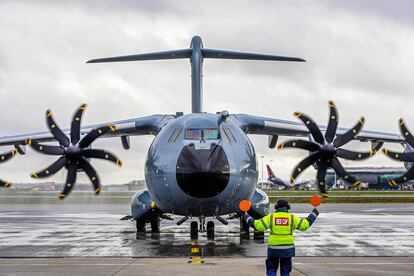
x: 287, y: 206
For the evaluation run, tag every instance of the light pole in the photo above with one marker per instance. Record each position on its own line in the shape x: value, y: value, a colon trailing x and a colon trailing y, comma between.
x: 262, y: 156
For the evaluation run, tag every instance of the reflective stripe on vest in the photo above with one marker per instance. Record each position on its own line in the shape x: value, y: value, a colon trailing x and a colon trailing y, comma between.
x: 282, y: 246
x: 300, y: 223
x: 263, y: 223
x: 292, y: 224
x: 271, y: 224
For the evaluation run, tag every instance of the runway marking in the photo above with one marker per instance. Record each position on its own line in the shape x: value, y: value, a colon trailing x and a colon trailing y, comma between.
x: 354, y: 263
x: 63, y: 264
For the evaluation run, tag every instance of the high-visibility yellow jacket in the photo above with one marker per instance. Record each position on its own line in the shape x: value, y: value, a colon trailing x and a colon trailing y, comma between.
x: 282, y: 226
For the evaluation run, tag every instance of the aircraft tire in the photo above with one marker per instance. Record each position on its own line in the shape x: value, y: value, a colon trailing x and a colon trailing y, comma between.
x: 257, y: 235
x: 155, y: 225
x: 140, y: 226
x: 244, y: 227
x: 210, y: 230
x: 194, y: 230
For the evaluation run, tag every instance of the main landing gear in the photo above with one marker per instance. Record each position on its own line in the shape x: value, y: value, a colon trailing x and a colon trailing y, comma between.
x: 154, y: 222
x: 245, y: 230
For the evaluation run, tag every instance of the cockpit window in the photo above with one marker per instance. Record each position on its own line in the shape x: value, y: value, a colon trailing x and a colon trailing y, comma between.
x: 229, y: 136
x: 175, y: 135
x: 193, y: 134
x: 202, y: 134
x: 211, y: 134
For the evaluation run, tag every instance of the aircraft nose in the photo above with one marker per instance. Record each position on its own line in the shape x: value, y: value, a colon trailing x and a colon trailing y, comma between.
x: 202, y: 173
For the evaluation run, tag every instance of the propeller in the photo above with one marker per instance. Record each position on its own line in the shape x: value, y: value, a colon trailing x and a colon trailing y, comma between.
x: 402, y: 156
x: 325, y: 149
x: 74, y: 152
x: 3, y: 158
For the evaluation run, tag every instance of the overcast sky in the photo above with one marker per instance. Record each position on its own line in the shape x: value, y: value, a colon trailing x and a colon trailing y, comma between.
x: 360, y: 54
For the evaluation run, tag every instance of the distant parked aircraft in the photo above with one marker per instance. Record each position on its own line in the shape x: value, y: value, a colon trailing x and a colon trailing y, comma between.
x: 273, y: 180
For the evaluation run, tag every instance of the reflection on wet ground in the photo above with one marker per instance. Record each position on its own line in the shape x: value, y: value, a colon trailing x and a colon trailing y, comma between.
x: 96, y: 231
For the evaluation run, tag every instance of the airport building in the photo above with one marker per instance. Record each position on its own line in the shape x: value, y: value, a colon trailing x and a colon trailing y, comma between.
x: 370, y: 177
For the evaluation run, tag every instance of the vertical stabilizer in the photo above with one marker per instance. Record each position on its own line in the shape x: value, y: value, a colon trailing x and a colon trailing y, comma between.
x: 270, y: 173
x: 196, y: 53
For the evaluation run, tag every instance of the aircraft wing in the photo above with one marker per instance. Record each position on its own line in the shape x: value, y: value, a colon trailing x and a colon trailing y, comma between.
x: 149, y: 125
x: 275, y: 127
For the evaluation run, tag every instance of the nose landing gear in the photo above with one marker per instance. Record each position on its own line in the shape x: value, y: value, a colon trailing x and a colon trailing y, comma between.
x: 194, y: 229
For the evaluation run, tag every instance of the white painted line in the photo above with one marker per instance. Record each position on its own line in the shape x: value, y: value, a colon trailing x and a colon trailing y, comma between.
x: 296, y: 263
x: 63, y: 264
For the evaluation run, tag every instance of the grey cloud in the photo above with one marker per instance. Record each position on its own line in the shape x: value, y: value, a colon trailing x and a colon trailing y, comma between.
x: 358, y: 55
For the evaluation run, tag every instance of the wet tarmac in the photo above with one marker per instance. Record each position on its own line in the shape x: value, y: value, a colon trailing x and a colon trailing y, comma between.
x: 86, y: 230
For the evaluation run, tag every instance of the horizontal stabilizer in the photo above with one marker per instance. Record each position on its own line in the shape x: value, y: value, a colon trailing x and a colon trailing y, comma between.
x: 176, y: 54
x: 223, y: 54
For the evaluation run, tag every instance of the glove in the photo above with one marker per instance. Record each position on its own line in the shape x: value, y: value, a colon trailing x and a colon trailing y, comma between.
x: 312, y: 216
x: 249, y: 219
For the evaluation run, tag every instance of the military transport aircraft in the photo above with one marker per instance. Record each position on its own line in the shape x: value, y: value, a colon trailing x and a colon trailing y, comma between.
x: 274, y: 181
x: 199, y: 165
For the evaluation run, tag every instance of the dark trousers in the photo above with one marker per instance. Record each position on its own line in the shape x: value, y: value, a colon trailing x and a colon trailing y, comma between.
x: 272, y: 263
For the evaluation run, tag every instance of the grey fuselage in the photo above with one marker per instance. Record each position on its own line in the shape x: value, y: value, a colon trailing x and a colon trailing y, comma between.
x: 200, y: 177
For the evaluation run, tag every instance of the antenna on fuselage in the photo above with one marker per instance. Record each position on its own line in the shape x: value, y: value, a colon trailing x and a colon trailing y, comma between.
x: 196, y: 53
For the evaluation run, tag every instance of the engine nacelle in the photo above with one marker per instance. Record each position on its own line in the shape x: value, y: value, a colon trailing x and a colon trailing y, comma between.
x: 141, y: 208
x: 260, y: 205
x: 408, y: 149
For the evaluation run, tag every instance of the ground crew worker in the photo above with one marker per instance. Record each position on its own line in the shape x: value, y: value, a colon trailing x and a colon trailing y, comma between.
x: 281, y: 247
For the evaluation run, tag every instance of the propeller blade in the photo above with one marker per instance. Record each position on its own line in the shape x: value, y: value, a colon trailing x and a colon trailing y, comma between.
x: 300, y: 144
x: 46, y: 149
x: 55, y: 130
x: 6, y: 156
x: 340, y: 171
x: 51, y: 170
x: 5, y: 184
x: 75, y: 127
x: 101, y: 154
x: 332, y: 123
x: 311, y: 125
x: 320, y: 177
x: 353, y: 155
x: 406, y: 133
x: 350, y: 134
x: 399, y: 156
x: 93, y: 176
x: 94, y: 134
x: 404, y: 178
x: 70, y: 179
x: 305, y: 163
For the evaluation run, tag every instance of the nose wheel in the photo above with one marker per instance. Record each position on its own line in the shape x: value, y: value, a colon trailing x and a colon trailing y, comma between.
x: 194, y: 230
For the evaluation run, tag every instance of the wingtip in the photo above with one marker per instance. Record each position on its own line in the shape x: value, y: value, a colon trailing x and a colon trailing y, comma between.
x: 62, y: 196
x: 119, y: 163
x: 7, y: 185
